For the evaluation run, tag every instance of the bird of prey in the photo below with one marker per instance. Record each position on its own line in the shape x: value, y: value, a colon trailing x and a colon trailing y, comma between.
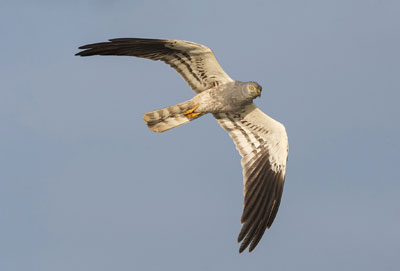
x: 261, y: 141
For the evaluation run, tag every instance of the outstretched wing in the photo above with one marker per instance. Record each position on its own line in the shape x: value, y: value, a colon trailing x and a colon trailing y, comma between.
x: 262, y: 143
x: 196, y: 63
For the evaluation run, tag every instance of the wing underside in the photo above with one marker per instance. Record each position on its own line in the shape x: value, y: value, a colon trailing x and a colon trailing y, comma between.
x: 262, y: 143
x: 196, y: 63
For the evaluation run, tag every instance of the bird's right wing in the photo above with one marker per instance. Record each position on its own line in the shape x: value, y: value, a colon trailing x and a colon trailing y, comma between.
x: 262, y: 143
x: 196, y: 63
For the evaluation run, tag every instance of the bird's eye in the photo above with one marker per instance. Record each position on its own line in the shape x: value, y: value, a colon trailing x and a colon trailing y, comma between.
x: 251, y: 88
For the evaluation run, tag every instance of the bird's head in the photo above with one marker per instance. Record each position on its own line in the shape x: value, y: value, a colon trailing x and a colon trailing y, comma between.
x: 252, y: 89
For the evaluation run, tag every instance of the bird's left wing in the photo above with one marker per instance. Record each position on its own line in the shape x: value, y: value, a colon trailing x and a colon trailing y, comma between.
x: 196, y: 63
x: 262, y: 143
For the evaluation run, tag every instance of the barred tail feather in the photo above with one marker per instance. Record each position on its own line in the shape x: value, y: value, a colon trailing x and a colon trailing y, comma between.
x: 169, y: 117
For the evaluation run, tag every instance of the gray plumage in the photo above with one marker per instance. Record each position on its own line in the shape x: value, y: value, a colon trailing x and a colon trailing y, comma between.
x: 261, y: 141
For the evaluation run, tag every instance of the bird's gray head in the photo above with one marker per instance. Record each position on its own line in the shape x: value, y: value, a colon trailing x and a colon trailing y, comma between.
x: 252, y: 89
x: 242, y: 93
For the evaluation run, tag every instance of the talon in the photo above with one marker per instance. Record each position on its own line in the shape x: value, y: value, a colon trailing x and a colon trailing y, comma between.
x: 191, y: 110
x: 192, y: 115
x: 189, y: 113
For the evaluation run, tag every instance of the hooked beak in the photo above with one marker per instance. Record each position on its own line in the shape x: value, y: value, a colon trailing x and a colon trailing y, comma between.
x: 259, y: 92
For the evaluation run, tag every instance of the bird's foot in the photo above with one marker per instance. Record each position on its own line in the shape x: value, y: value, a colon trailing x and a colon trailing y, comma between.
x: 190, y: 113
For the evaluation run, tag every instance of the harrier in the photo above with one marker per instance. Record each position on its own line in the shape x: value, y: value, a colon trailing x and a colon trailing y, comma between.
x: 261, y: 141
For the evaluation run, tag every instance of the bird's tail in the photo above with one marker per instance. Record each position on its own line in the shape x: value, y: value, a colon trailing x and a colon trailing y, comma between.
x: 171, y: 117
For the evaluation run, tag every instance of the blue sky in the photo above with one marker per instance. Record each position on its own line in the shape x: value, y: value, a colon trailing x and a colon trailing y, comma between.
x: 84, y: 185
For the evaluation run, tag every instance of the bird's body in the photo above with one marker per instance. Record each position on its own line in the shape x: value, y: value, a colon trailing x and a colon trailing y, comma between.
x: 227, y: 97
x: 261, y: 141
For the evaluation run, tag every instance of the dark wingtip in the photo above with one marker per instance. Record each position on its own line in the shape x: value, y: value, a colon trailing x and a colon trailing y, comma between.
x: 81, y: 54
x: 252, y: 246
x: 87, y: 49
x: 240, y: 237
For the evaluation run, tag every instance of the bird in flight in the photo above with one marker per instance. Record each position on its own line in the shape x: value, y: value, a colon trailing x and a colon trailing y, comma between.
x: 261, y: 141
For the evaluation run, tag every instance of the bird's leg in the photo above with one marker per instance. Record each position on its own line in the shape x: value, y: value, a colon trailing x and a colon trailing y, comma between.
x: 189, y: 113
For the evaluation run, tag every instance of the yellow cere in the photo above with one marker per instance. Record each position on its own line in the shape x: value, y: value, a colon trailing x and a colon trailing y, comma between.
x: 258, y: 90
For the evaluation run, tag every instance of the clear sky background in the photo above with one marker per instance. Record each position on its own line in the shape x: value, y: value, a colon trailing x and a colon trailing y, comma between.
x: 84, y: 185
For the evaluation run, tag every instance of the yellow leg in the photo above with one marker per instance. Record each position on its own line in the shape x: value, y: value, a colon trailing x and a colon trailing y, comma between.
x: 189, y: 113
x: 192, y: 115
